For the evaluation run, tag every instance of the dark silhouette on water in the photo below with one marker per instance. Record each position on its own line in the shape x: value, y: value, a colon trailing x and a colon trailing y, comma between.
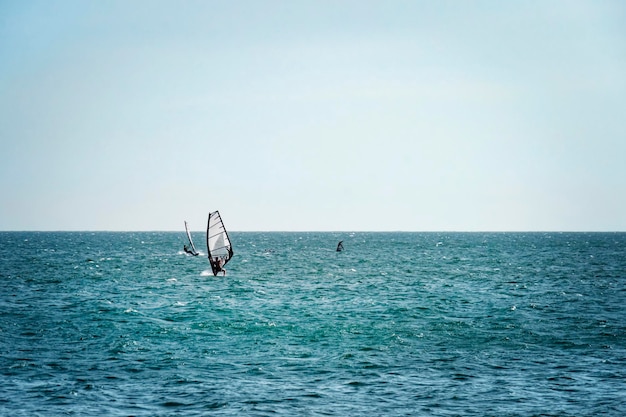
x: 186, y: 249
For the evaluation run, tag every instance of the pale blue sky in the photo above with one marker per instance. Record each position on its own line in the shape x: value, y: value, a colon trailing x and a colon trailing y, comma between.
x: 313, y: 115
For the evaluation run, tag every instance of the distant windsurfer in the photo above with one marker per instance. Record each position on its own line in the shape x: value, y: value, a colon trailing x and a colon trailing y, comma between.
x: 187, y: 250
x: 340, y: 246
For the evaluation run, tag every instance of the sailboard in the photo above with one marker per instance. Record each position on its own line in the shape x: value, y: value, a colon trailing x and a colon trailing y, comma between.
x: 218, y: 243
x: 191, y: 249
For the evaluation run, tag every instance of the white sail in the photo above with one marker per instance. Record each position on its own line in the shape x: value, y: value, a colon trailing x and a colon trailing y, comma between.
x: 218, y: 243
x: 193, y: 250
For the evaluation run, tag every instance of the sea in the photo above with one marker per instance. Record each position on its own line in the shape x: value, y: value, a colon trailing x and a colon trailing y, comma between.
x: 396, y: 324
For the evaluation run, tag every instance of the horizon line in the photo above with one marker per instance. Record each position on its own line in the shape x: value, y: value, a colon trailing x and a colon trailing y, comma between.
x: 309, y: 231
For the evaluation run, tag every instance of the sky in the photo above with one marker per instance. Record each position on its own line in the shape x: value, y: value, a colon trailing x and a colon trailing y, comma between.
x: 313, y: 115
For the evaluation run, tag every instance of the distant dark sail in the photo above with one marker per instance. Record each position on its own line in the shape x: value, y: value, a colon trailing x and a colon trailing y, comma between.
x: 340, y: 246
x: 192, y: 248
x: 217, y: 243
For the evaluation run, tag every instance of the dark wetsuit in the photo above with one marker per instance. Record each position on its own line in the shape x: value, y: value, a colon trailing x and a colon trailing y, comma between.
x: 217, y: 266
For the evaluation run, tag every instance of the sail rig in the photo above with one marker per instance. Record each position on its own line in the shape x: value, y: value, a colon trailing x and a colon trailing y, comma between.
x: 218, y: 243
x: 191, y: 249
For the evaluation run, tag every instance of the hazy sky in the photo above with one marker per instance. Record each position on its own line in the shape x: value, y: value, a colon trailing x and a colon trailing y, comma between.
x: 313, y: 115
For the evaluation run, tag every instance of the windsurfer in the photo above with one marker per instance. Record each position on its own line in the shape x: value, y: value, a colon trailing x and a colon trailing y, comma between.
x: 189, y: 251
x: 218, y: 266
x: 340, y: 246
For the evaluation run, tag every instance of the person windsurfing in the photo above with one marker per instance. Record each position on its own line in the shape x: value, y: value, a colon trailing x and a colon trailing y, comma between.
x: 217, y: 266
x: 340, y: 246
x: 189, y: 251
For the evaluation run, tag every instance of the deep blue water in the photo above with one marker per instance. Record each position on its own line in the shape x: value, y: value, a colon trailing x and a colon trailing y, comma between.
x: 432, y: 324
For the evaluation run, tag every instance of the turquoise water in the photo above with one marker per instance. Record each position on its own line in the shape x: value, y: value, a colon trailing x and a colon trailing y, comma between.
x: 433, y: 324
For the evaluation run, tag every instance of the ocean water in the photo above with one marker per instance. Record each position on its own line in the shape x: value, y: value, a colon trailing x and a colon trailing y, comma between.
x: 398, y: 324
